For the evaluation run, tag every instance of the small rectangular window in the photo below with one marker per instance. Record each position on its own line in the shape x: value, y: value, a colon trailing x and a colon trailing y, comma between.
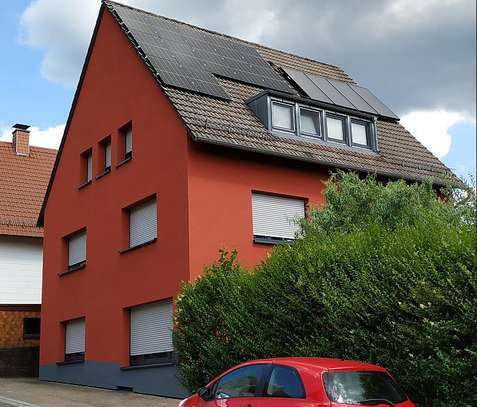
x: 106, y: 146
x: 276, y: 217
x: 31, y: 328
x: 143, y: 223
x: 309, y: 122
x: 151, y: 333
x: 77, y: 250
x: 336, y: 128
x: 360, y: 132
x: 75, y: 340
x: 283, y: 116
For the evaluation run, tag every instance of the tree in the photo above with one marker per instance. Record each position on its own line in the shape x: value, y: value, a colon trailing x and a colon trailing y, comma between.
x: 381, y: 273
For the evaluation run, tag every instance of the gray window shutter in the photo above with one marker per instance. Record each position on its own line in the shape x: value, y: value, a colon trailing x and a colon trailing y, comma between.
x: 128, y: 141
x: 151, y: 328
x: 74, y: 336
x: 143, y: 223
x: 77, y: 248
x: 89, y: 167
x: 107, y: 155
x: 276, y: 216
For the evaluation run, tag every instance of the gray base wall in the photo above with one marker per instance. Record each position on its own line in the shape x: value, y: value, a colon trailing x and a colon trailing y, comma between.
x: 160, y: 381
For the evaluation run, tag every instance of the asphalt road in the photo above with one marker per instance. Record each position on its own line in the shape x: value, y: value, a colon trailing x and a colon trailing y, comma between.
x: 28, y: 392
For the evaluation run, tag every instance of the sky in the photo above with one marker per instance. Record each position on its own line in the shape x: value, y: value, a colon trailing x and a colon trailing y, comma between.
x: 419, y: 57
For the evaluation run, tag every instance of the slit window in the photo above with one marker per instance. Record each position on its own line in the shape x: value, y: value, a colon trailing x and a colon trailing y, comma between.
x: 283, y: 116
x: 75, y: 340
x: 143, y: 223
x: 276, y: 218
x: 151, y: 333
x: 87, y: 166
x: 336, y: 128
x: 127, y: 140
x: 77, y: 250
x: 309, y: 122
x: 106, y: 153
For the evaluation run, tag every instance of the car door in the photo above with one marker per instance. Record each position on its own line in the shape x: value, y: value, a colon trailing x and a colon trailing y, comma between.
x: 284, y: 388
x: 242, y: 387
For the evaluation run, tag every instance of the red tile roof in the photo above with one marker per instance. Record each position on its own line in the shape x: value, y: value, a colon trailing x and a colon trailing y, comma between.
x: 23, y: 182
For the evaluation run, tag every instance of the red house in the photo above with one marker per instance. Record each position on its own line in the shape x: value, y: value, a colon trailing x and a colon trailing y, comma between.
x: 181, y: 141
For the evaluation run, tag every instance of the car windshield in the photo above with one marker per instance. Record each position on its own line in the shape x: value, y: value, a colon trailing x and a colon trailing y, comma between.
x: 361, y: 386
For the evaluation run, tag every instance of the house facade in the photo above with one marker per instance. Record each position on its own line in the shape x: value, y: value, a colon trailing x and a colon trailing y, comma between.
x: 180, y: 142
x: 24, y: 175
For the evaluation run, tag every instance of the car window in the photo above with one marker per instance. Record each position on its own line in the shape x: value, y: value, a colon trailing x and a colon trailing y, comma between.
x: 285, y: 382
x: 359, y: 386
x: 242, y: 382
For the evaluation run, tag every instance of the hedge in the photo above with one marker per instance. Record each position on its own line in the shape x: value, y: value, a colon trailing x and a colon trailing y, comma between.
x: 381, y: 273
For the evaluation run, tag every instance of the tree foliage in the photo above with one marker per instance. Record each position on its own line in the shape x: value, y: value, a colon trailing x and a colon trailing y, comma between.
x: 381, y: 273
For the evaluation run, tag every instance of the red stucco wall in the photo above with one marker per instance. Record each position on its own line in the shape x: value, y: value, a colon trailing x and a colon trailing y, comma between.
x: 117, y: 88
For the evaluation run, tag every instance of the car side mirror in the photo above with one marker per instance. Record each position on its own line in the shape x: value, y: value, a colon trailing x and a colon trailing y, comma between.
x: 204, y: 393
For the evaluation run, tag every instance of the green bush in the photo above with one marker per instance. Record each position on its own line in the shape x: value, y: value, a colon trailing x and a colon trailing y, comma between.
x: 382, y: 273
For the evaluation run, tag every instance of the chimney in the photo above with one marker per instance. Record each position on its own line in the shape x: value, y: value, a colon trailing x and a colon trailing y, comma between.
x: 21, y: 139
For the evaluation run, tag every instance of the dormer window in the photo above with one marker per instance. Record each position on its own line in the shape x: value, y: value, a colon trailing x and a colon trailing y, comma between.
x: 314, y: 122
x: 283, y: 117
x: 310, y: 122
x: 336, y: 127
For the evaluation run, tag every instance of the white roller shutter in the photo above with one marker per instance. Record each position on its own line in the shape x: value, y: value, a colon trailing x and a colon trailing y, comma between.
x: 77, y: 248
x: 151, y: 328
x: 276, y: 216
x: 142, y: 223
x: 89, y: 167
x: 74, y: 337
x: 128, y: 141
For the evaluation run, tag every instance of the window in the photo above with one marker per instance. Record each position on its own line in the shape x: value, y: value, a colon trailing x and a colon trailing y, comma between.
x: 336, y: 127
x: 285, y: 382
x: 74, y: 340
x: 87, y: 167
x: 31, y: 328
x: 283, y: 117
x: 276, y: 217
x: 355, y: 387
x: 360, y: 131
x: 143, y: 223
x: 151, y: 333
x: 309, y: 122
x: 77, y: 250
x: 106, y: 154
x: 126, y: 134
x: 246, y: 381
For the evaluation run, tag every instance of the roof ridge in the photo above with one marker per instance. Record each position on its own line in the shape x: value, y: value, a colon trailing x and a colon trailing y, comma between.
x: 49, y: 149
x: 224, y: 35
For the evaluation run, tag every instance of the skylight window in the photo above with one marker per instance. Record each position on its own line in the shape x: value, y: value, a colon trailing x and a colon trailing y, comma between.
x: 309, y: 122
x: 335, y: 127
x: 283, y: 117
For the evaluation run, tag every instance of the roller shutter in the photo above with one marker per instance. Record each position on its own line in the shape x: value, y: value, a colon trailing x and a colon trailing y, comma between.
x: 77, y: 248
x: 143, y: 223
x: 74, y: 337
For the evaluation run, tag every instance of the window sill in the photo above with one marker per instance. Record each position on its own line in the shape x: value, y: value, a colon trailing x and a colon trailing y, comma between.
x: 271, y: 240
x: 80, y: 266
x: 129, y: 249
x: 134, y: 367
x: 121, y: 163
x: 73, y: 362
x: 105, y: 172
x: 84, y: 184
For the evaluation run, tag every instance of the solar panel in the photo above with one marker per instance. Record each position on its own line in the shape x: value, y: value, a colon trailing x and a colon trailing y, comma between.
x: 339, y: 93
x: 188, y: 58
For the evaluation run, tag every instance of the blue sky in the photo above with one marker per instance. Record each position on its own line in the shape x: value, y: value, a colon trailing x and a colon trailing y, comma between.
x: 43, y: 42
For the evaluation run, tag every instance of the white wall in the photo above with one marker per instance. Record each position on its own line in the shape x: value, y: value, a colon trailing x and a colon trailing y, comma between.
x: 21, y: 263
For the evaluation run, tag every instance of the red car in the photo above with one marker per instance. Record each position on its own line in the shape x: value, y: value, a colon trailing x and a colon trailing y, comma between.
x: 301, y: 382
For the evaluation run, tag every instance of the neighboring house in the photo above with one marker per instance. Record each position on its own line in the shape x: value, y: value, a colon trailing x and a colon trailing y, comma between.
x: 24, y: 175
x: 179, y: 142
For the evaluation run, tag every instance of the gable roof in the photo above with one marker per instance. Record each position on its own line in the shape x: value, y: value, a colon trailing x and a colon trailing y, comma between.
x: 229, y: 122
x: 23, y: 182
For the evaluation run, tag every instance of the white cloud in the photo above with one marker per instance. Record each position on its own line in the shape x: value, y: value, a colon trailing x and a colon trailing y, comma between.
x: 49, y: 137
x: 431, y: 128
